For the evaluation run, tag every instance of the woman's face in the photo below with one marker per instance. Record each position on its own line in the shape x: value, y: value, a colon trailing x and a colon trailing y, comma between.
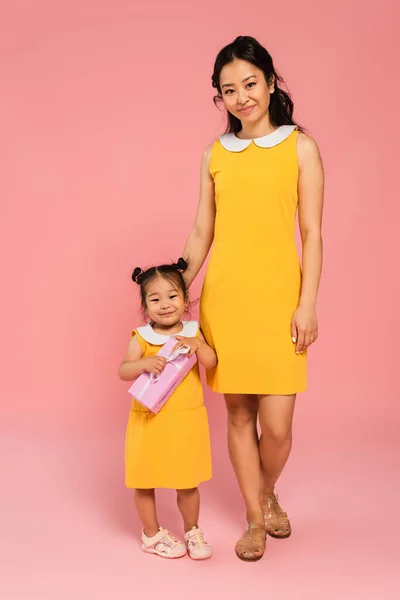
x: 245, y: 91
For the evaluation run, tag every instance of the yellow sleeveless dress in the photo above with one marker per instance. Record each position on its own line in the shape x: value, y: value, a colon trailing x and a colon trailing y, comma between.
x: 170, y: 449
x: 253, y: 280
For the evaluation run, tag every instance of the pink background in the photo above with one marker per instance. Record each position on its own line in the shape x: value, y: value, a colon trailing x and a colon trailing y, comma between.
x: 106, y: 107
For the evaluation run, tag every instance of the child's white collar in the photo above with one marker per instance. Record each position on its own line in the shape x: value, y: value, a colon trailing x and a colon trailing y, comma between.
x: 190, y: 329
x: 231, y: 142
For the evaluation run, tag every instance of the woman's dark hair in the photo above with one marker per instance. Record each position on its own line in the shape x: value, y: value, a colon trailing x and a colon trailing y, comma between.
x: 249, y: 49
x: 171, y: 272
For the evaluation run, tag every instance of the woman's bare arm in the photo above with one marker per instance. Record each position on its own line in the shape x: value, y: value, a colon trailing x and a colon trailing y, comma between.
x: 201, y: 237
x: 311, y: 194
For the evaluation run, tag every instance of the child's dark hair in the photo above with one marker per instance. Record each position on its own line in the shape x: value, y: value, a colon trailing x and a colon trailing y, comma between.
x: 171, y: 272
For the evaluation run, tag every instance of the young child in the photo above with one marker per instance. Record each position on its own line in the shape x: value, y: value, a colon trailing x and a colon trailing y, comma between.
x: 170, y: 449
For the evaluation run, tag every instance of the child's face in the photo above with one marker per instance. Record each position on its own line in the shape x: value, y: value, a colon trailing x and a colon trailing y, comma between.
x: 165, y: 303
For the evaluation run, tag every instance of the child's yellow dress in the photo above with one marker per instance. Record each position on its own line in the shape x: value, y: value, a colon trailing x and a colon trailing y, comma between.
x: 170, y: 449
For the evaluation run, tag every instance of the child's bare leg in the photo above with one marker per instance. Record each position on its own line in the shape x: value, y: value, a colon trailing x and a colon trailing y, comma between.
x: 145, y: 502
x: 189, y: 506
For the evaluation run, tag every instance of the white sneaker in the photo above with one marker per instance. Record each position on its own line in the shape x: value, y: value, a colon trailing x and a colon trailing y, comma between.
x: 163, y: 544
x: 198, y: 547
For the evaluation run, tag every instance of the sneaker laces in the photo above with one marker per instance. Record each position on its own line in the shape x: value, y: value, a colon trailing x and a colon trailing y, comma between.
x: 197, y: 539
x: 167, y: 541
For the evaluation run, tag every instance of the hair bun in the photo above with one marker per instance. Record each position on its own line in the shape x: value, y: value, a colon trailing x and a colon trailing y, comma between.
x: 181, y: 265
x: 136, y: 275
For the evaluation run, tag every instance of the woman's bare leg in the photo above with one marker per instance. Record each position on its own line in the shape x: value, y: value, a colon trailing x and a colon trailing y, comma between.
x: 244, y: 451
x: 276, y: 417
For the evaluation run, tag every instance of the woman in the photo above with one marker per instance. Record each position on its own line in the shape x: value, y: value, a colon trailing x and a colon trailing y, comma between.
x: 257, y: 304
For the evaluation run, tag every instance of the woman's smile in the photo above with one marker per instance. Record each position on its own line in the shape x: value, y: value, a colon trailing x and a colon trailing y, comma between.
x: 246, y: 110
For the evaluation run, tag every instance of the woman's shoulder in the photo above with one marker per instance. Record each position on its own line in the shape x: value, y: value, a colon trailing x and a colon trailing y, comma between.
x: 206, y: 162
x: 307, y: 148
x: 306, y: 143
x: 207, y: 153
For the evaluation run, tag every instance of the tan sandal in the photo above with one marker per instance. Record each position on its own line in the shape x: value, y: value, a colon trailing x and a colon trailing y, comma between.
x: 251, y: 546
x: 276, y: 520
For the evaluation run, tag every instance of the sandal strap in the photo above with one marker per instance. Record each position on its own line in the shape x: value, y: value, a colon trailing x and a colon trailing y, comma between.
x: 274, y: 516
x: 254, y: 526
x: 278, y: 519
x: 253, y: 539
x: 272, y: 504
x: 162, y: 541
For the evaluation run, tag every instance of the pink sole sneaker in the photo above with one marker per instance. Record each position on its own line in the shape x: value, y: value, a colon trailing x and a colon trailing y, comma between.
x: 163, y: 544
x: 197, y: 546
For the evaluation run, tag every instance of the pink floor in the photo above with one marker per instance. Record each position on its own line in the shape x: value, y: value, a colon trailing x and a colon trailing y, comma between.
x: 68, y: 529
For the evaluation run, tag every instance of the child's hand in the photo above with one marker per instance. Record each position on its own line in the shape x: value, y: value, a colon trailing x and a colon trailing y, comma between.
x: 154, y: 364
x: 193, y: 343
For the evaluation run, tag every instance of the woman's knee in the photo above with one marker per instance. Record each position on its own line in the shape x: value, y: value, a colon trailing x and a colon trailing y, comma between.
x: 279, y: 434
x: 276, y: 417
x: 242, y: 410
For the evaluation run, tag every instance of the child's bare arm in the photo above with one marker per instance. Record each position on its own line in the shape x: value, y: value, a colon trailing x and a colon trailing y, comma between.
x: 205, y: 354
x: 133, y: 363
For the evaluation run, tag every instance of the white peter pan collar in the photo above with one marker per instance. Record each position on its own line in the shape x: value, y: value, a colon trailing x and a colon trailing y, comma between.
x: 231, y: 142
x: 190, y: 329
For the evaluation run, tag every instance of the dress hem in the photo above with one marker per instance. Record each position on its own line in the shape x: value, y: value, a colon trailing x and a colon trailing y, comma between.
x: 291, y: 392
x: 166, y: 487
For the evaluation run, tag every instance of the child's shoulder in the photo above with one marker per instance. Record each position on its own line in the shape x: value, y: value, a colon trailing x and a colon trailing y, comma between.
x: 147, y: 333
x: 190, y: 329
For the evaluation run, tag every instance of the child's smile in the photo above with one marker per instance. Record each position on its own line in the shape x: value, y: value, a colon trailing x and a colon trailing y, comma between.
x: 164, y: 302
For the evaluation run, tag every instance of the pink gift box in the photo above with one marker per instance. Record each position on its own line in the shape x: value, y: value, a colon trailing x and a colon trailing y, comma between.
x: 153, y: 391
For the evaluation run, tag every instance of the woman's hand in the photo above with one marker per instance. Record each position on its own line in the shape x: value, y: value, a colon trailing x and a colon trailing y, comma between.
x: 304, y: 327
x: 193, y: 343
